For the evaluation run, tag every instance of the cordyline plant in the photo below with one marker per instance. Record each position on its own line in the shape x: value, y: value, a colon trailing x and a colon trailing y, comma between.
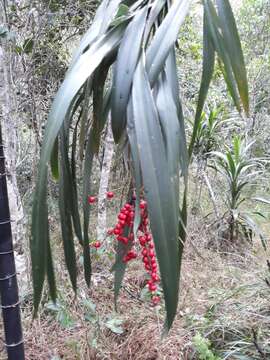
x: 239, y: 169
x: 135, y: 42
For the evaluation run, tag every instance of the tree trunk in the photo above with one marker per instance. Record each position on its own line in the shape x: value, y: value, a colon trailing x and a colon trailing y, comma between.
x: 9, y: 121
x: 103, y: 186
x: 9, y: 128
x: 8, y: 278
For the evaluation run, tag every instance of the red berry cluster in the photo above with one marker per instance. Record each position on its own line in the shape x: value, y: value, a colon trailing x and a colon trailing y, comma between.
x: 126, y: 219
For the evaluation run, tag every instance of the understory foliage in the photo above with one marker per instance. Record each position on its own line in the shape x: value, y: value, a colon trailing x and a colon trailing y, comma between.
x: 125, y: 70
x: 239, y: 170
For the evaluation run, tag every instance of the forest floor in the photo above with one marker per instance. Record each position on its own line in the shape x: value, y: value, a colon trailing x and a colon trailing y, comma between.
x: 224, y: 298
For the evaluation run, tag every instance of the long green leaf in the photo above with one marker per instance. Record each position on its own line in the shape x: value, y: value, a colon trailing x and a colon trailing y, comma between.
x: 234, y: 49
x: 172, y: 77
x: 65, y: 207
x: 130, y: 49
x: 89, y: 155
x: 213, y: 24
x: 135, y: 163
x: 165, y: 38
x: 102, y: 19
x: 50, y: 274
x: 98, y: 98
x: 119, y: 267
x: 66, y: 95
x: 168, y: 116
x: 39, y: 242
x: 158, y: 189
x: 73, y: 82
x: 84, y: 116
x: 54, y: 161
x: 207, y: 73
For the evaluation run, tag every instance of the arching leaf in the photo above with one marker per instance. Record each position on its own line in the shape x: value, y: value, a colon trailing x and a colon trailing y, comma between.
x: 130, y: 49
x: 207, y: 73
x: 158, y: 189
x: 233, y: 45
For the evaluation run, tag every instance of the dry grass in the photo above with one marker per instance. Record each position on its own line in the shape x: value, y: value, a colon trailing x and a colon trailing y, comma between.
x: 222, y: 297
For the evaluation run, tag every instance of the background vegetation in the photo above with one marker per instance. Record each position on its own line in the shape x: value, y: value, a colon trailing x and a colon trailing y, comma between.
x: 225, y: 286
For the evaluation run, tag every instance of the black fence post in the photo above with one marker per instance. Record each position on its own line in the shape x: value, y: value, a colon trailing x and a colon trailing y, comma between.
x: 10, y: 303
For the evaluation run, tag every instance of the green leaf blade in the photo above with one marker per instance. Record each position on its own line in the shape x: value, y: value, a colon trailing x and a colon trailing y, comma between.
x: 130, y: 49
x: 157, y: 186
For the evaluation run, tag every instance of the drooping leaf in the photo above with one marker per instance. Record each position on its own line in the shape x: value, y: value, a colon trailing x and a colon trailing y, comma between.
x: 170, y: 126
x: 54, y: 160
x: 105, y: 13
x: 39, y: 241
x: 159, y: 49
x: 65, y: 207
x: 50, y: 275
x: 119, y: 267
x: 172, y: 78
x: 207, y: 73
x: 135, y: 163
x: 89, y: 155
x: 156, y: 8
x: 158, y: 189
x: 233, y: 45
x: 130, y: 49
x: 98, y: 99
x: 262, y: 200
x: 213, y: 25
x: 84, y: 116
x: 62, y: 104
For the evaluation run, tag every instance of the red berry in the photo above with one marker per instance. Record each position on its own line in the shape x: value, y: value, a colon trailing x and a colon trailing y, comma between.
x: 122, y: 216
x: 143, y: 204
x: 122, y: 223
x: 132, y: 254
x: 117, y: 231
x: 151, y: 245
x: 151, y: 253
x: 147, y: 267
x: 148, y: 237
x: 123, y: 239
x: 97, y: 244
x: 155, y: 299
x: 127, y: 206
x: 110, y: 194
x: 91, y: 199
x: 145, y: 260
x: 144, y: 252
x: 154, y: 277
x: 110, y: 232
x: 142, y: 240
x: 152, y: 287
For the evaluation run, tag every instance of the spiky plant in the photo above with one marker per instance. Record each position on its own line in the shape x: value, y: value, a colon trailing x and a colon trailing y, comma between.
x: 208, y: 132
x: 239, y: 169
x: 125, y: 66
